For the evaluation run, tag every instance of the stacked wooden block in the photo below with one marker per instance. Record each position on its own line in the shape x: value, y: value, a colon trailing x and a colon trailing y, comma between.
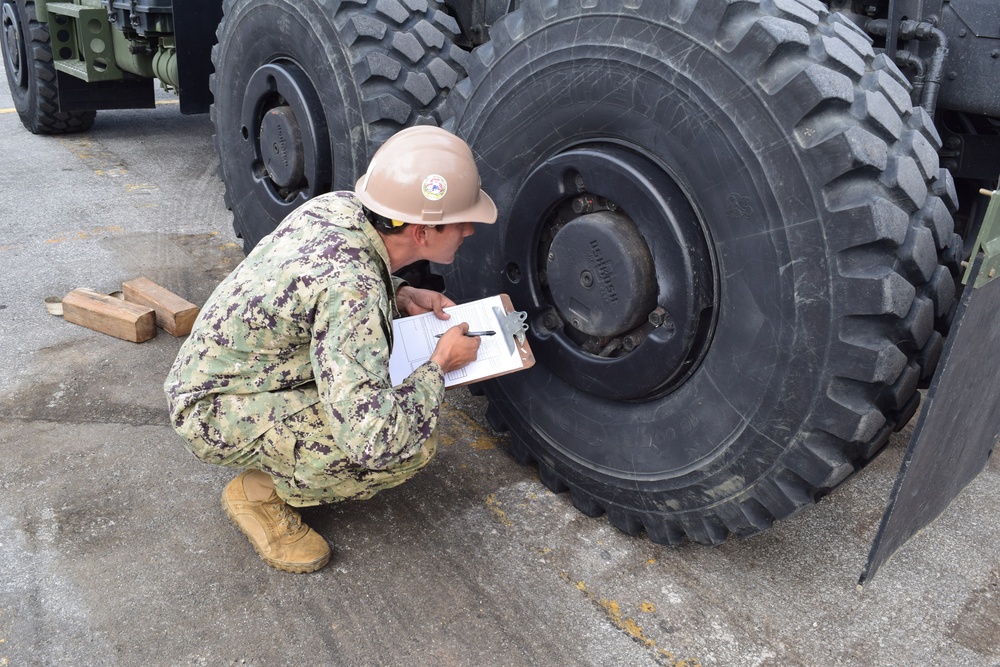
x: 145, y: 306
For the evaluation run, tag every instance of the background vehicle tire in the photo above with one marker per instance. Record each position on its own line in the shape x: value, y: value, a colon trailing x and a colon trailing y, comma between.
x: 305, y: 92
x: 732, y: 237
x: 31, y: 76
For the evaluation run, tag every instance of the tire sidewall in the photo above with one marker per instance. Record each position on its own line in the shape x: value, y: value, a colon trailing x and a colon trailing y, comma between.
x: 581, y: 79
x: 25, y: 99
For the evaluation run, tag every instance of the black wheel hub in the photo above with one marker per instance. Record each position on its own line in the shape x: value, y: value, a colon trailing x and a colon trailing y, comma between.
x: 609, y: 258
x: 600, y: 274
x: 14, y: 44
x: 288, y: 154
x: 281, y: 145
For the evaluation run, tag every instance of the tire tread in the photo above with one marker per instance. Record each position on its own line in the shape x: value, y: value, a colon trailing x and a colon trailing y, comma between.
x: 890, y: 232
x: 37, y: 105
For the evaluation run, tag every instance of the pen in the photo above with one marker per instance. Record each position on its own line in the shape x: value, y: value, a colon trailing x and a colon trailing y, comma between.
x: 473, y: 333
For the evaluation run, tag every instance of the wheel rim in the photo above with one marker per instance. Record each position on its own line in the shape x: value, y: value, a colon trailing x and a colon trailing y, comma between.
x: 615, y: 269
x: 286, y: 145
x: 13, y: 45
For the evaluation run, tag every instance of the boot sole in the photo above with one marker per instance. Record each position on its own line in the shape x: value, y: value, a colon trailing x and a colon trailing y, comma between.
x: 294, y: 568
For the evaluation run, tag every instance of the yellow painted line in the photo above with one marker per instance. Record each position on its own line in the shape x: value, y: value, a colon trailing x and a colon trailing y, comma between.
x: 158, y: 103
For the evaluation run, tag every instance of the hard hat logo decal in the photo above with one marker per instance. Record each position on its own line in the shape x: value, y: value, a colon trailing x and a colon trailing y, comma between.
x: 434, y: 187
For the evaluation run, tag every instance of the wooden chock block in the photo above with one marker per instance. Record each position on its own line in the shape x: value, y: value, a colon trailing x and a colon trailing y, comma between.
x: 173, y: 314
x: 128, y: 321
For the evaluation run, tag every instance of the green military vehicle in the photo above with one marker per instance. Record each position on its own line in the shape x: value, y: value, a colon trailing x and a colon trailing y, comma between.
x: 737, y: 227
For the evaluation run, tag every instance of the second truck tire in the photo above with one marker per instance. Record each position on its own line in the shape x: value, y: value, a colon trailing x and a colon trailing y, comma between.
x: 305, y: 92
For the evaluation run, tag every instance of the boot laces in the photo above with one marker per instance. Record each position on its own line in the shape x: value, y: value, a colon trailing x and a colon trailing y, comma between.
x: 288, y: 518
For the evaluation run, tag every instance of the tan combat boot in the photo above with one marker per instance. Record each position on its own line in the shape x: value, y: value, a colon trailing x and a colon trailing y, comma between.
x: 274, y: 529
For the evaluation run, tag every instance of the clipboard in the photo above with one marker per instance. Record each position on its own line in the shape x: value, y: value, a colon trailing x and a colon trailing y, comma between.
x: 506, y: 351
x: 512, y: 327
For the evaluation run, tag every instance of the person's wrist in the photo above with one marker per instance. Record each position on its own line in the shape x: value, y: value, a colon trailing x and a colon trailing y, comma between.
x: 401, y: 298
x: 440, y: 360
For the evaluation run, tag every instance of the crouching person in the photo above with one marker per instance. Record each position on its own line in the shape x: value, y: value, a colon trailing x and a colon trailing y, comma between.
x: 286, y: 372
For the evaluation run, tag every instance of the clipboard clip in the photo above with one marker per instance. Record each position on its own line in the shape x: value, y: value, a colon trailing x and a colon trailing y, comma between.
x: 512, y: 326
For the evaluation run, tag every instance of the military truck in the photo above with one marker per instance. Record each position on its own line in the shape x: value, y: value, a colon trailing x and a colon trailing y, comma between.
x: 737, y: 227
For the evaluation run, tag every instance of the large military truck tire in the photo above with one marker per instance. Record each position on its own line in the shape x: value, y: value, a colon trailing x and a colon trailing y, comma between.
x: 31, y: 76
x: 304, y: 92
x: 733, y: 241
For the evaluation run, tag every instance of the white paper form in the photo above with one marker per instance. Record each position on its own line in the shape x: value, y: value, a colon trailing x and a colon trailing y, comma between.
x: 414, y: 342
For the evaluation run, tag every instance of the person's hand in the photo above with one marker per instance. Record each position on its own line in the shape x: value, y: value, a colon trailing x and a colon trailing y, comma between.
x: 454, y: 349
x: 415, y: 301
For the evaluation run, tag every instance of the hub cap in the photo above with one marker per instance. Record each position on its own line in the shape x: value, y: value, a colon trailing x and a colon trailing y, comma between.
x: 288, y: 156
x: 610, y: 260
x: 281, y: 145
x: 600, y: 274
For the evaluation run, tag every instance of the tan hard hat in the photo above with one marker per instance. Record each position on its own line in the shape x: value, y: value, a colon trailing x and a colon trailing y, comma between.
x: 427, y: 176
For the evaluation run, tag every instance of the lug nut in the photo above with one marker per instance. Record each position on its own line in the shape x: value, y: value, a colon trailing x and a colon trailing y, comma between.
x: 631, y: 341
x: 583, y: 205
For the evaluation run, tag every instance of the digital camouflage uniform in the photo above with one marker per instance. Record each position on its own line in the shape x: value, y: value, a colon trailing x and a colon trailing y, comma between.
x: 286, y: 369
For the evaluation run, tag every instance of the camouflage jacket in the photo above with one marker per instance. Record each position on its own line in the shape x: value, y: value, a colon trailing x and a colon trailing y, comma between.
x: 310, y: 304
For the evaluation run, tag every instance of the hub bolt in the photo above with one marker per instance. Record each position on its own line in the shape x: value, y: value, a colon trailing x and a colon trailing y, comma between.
x: 631, y: 341
x: 583, y: 205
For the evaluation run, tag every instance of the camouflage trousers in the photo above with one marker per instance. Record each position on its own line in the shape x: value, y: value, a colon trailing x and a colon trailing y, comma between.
x: 308, y: 468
